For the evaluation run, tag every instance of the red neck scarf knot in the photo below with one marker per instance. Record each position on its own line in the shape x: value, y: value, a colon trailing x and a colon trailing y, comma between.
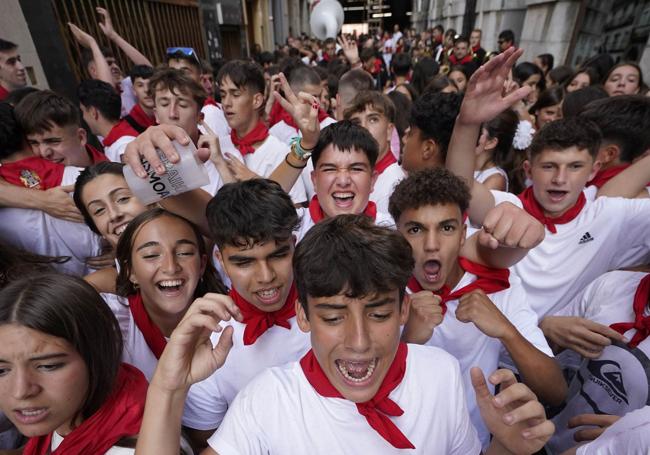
x: 378, y: 409
x: 245, y: 144
x: 257, y: 321
x: 534, y: 208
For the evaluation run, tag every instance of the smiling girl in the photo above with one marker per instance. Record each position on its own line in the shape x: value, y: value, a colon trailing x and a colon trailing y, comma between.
x: 61, y: 380
x: 163, y: 267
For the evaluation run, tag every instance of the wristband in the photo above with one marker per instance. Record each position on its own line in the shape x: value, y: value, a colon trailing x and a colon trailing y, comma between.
x: 286, y: 160
x: 296, y: 148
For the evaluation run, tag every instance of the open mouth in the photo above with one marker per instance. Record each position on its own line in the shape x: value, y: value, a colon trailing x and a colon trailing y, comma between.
x: 431, y: 270
x: 557, y: 195
x: 343, y: 199
x: 269, y: 296
x: 170, y: 287
x: 356, y: 372
x: 118, y: 230
x: 30, y: 415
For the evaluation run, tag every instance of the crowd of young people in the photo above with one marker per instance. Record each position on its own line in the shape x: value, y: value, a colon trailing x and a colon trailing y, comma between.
x: 407, y: 245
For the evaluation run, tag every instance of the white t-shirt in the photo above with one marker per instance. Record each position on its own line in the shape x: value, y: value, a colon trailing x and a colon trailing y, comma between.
x: 385, y: 184
x: 286, y: 132
x: 115, y: 151
x: 482, y: 176
x: 208, y: 400
x: 265, y: 159
x: 214, y: 117
x: 58, y: 439
x: 306, y: 223
x: 630, y: 435
x: 279, y: 412
x: 37, y: 232
x: 608, y: 234
x: 136, y: 351
x: 618, y: 381
x: 473, y: 348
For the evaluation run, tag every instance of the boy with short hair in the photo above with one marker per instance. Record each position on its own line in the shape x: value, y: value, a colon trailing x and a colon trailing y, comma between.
x: 350, y: 84
x: 177, y: 101
x: 430, y: 126
x: 52, y: 126
x: 302, y: 79
x: 470, y: 310
x: 359, y: 388
x: 584, y: 238
x: 187, y: 60
x: 252, y: 224
x: 34, y: 230
x: 141, y: 115
x: 100, y: 107
x: 12, y: 70
x: 624, y: 122
x: 242, y: 90
x: 376, y: 112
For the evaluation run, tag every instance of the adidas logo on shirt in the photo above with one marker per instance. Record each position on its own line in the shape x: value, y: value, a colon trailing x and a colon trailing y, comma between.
x: 585, y: 238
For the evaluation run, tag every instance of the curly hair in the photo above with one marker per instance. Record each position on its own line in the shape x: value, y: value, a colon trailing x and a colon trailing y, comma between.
x: 436, y: 186
x: 434, y: 114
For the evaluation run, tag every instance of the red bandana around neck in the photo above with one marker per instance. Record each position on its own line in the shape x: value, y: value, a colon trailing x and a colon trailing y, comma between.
x: 118, y: 131
x: 476, y: 48
x: 603, y: 176
x: 641, y: 323
x: 245, y: 144
x: 209, y: 101
x: 387, y: 160
x: 33, y: 172
x: 120, y: 416
x: 454, y: 61
x: 317, y: 214
x: 288, y: 119
x: 4, y: 93
x: 533, y: 207
x: 257, y: 321
x: 380, y: 407
x: 152, y: 334
x: 489, y: 280
x: 141, y: 118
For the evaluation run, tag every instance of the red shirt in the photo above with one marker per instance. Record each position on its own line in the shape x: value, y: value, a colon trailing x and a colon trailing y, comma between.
x: 33, y: 172
x: 4, y: 93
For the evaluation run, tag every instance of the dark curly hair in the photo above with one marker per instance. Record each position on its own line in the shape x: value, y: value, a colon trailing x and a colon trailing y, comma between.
x: 434, y: 114
x: 435, y: 186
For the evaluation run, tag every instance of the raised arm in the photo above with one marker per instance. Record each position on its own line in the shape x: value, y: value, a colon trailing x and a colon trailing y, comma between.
x: 87, y: 41
x: 131, y: 52
x: 483, y: 100
x: 189, y: 357
x: 630, y: 183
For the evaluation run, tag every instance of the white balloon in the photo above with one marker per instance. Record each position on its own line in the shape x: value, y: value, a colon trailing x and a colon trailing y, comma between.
x: 326, y: 19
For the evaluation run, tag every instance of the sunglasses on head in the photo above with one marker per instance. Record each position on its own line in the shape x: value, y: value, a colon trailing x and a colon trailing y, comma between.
x: 183, y: 52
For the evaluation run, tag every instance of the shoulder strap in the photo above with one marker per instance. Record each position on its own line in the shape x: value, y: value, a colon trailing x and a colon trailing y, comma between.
x: 135, y: 125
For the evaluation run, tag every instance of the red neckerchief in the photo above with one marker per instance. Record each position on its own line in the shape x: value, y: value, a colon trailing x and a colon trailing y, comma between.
x: 288, y: 119
x: 257, y: 321
x: 141, y: 118
x: 476, y: 48
x: 150, y: 331
x: 531, y: 205
x: 4, y: 93
x: 317, y: 214
x: 489, y: 280
x: 120, y: 130
x: 120, y: 416
x: 380, y: 407
x: 33, y: 172
x: 604, y: 175
x: 274, y: 115
x: 209, y: 101
x: 95, y: 155
x: 641, y: 323
x: 245, y: 144
x: 386, y: 161
x: 454, y: 61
